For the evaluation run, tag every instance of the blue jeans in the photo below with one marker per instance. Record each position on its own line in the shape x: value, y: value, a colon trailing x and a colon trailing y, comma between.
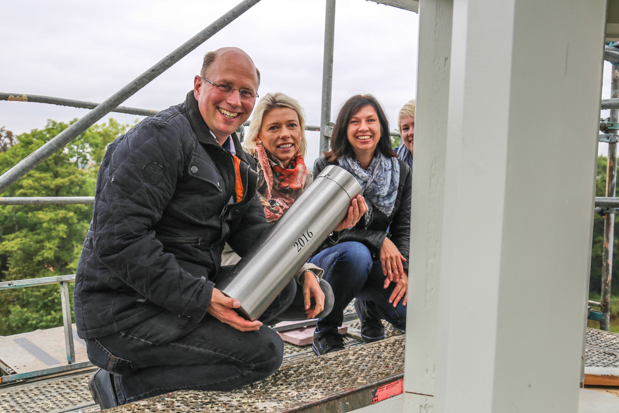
x: 169, y: 352
x: 353, y: 273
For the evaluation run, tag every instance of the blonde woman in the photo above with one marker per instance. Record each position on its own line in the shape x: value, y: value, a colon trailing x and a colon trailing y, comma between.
x: 276, y: 141
x: 406, y: 123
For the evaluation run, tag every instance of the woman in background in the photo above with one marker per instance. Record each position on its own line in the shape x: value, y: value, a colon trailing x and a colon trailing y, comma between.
x: 406, y: 123
x: 367, y: 262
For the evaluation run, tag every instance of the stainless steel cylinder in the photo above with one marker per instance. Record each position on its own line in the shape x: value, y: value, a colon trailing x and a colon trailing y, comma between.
x: 263, y: 273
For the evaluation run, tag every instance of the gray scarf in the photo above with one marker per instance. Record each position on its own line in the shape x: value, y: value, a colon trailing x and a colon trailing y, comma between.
x: 379, y: 182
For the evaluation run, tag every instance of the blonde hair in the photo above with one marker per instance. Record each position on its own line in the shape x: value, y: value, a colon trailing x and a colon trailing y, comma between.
x: 266, y: 104
x: 407, y: 110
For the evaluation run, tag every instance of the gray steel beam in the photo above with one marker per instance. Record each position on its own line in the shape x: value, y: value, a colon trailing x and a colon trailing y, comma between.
x: 66, y: 136
x: 16, y: 97
x: 327, y: 77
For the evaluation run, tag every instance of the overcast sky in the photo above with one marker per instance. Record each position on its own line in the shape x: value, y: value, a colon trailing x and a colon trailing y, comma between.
x: 88, y: 50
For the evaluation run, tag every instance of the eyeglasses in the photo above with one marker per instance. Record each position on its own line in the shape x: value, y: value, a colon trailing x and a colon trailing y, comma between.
x: 227, y: 90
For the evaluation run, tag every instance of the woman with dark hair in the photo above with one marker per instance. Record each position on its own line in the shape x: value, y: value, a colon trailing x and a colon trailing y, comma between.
x: 367, y: 262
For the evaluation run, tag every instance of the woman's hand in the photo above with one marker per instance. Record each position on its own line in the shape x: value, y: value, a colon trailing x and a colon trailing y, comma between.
x: 311, y: 288
x: 400, y: 290
x: 221, y: 307
x: 391, y: 260
x: 357, y: 208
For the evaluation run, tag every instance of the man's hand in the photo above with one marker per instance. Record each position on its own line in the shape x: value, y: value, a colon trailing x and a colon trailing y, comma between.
x: 221, y: 307
x: 311, y: 288
x: 391, y: 260
x: 400, y: 290
x: 357, y: 208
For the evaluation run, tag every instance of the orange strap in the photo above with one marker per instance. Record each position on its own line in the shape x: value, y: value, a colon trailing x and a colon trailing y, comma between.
x: 238, y: 188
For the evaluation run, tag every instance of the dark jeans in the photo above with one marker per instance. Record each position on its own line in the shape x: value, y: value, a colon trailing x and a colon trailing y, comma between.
x: 352, y: 273
x: 168, y: 352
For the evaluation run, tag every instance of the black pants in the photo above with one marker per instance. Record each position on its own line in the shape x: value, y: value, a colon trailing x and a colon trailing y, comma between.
x: 167, y: 352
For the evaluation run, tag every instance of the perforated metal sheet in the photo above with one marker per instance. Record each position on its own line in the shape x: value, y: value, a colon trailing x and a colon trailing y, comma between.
x: 602, y: 339
x: 294, y: 385
x: 70, y: 393
x: 602, y: 349
x: 46, y: 396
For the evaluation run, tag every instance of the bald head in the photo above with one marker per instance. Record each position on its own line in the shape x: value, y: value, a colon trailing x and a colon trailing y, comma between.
x: 226, y: 90
x: 225, y: 52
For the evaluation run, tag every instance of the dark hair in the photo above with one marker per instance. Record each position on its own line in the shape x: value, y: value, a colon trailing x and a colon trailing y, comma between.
x: 339, y: 139
x: 210, y: 58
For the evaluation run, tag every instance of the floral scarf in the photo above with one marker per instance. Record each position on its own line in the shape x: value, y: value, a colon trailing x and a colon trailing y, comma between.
x: 279, y: 187
x: 379, y: 182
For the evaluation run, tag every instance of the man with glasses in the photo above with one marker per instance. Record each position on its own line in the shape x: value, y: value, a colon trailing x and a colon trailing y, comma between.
x: 170, y: 193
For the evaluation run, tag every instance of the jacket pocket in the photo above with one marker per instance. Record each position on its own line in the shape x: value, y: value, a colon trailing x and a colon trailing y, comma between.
x: 203, y: 170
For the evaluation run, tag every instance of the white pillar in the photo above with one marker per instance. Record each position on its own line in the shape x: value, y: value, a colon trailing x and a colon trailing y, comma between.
x: 427, y: 208
x: 523, y: 116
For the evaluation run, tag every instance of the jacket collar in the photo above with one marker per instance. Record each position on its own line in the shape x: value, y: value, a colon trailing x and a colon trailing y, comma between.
x: 202, y: 130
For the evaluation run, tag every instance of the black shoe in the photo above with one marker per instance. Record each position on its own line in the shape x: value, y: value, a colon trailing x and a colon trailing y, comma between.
x: 102, y: 389
x: 371, y: 328
x: 327, y: 341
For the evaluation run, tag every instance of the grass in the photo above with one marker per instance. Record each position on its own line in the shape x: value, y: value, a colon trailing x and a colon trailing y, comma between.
x: 614, y: 313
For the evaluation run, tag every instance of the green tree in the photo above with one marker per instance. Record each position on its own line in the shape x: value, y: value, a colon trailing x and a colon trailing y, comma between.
x: 396, y: 141
x: 42, y: 241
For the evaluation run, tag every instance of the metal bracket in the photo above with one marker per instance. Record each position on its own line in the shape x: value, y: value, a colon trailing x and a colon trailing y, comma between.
x: 604, y: 211
x: 329, y: 129
x: 608, y: 138
x: 607, y: 126
x: 595, y: 315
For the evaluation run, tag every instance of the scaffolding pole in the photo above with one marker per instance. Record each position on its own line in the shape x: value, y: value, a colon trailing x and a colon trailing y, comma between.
x: 63, y: 138
x: 16, y: 97
x: 610, y: 104
x: 609, y: 216
x: 327, y: 78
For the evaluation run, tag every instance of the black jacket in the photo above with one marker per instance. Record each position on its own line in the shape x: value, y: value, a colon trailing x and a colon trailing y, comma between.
x: 161, y: 219
x: 398, y: 223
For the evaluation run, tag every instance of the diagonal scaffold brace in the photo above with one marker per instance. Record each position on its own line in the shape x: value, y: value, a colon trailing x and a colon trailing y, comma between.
x: 59, y: 141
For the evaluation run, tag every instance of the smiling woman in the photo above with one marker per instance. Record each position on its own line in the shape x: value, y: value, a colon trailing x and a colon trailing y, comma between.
x: 369, y: 261
x: 276, y: 141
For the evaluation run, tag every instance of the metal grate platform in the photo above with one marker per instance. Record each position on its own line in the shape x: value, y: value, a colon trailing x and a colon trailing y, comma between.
x: 602, y: 349
x: 70, y: 394
x: 295, y: 386
x: 51, y: 395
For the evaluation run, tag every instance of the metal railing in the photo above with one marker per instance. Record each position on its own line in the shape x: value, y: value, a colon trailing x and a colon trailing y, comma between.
x: 65, y: 302
x: 67, y: 322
